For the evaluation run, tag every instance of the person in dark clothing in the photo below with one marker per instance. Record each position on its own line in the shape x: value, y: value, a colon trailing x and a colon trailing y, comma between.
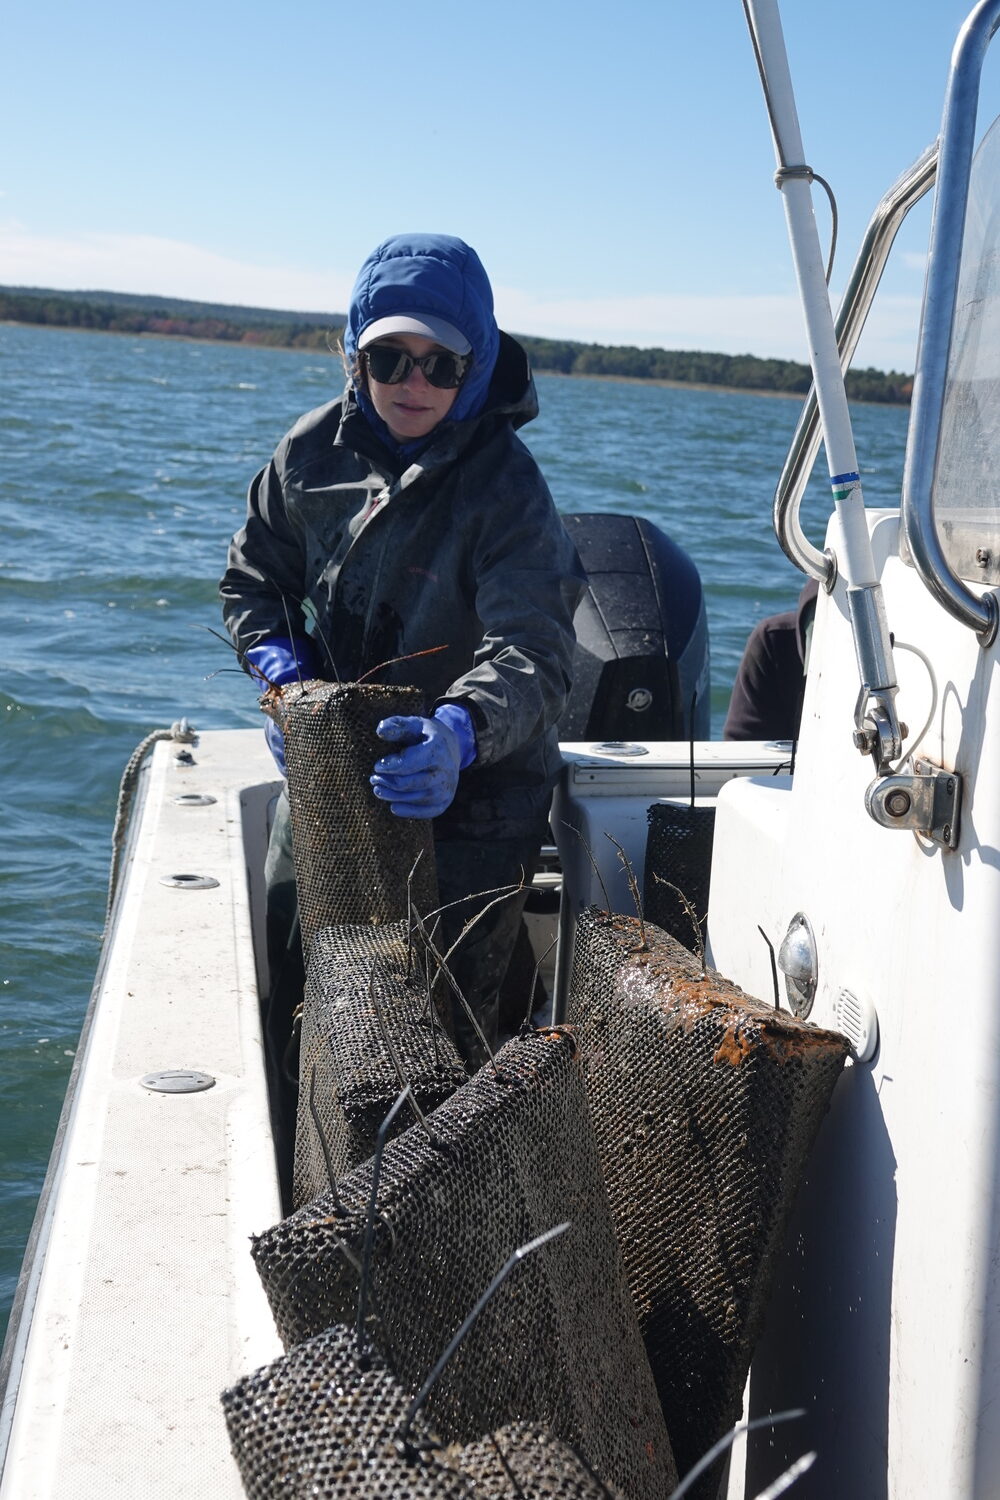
x: 405, y: 516
x: 766, y: 701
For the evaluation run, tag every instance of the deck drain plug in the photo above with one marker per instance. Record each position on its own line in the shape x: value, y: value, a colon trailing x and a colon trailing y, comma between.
x: 189, y: 882
x: 177, y: 1081
x: 193, y: 799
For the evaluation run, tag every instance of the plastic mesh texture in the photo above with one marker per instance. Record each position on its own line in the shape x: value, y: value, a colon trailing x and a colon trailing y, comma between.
x: 322, y: 1423
x: 353, y: 856
x: 510, y: 1154
x: 524, y: 1462
x: 678, y: 858
x: 318, y: 1424
x: 705, y: 1106
x: 367, y: 1027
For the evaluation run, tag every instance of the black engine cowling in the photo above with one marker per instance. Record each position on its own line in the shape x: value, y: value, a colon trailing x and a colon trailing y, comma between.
x: 641, y: 670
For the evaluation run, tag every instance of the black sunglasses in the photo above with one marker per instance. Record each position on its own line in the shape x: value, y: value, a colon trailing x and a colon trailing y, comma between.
x: 389, y: 366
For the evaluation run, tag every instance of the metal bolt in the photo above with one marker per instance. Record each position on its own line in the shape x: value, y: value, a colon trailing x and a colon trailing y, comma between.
x: 946, y: 833
x: 897, y: 803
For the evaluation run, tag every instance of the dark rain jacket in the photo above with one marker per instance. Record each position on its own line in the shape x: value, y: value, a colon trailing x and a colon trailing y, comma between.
x: 766, y: 701
x: 462, y: 549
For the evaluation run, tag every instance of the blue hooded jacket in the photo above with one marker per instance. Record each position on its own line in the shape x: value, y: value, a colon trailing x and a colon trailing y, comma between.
x: 421, y: 274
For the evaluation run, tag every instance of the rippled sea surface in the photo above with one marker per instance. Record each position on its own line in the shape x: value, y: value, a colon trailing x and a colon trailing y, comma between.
x: 125, y: 463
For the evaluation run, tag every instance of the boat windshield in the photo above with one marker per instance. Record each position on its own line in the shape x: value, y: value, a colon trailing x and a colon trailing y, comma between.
x: 966, y: 495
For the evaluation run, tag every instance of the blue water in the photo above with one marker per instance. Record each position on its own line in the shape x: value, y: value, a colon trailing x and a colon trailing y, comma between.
x: 124, y: 467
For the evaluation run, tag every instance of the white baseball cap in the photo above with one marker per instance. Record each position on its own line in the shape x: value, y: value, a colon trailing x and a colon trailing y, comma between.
x: 426, y: 327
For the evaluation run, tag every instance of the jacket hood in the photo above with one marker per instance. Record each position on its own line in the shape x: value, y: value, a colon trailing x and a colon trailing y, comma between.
x: 432, y: 275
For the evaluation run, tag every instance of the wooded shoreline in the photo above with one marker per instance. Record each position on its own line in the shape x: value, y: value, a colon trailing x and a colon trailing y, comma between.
x: 118, y: 312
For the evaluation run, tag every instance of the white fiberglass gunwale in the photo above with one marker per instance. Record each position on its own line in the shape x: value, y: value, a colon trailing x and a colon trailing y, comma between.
x: 139, y: 1300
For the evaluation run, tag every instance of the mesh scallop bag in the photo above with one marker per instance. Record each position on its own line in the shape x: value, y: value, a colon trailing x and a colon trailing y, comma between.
x: 353, y: 857
x: 678, y: 868
x: 368, y: 1026
x: 705, y: 1106
x: 527, y: 1462
x: 325, y: 1423
x: 508, y: 1156
x: 322, y: 1423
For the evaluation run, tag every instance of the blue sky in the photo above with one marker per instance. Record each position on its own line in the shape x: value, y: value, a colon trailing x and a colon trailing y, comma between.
x: 611, y: 162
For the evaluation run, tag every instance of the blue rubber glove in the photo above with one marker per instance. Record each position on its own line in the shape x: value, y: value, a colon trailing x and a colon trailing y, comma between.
x: 280, y: 659
x: 420, y: 780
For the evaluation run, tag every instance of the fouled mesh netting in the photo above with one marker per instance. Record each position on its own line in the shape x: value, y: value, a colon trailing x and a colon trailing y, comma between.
x: 322, y: 1424
x: 326, y: 1424
x: 678, y: 859
x: 526, y: 1461
x: 353, y: 856
x: 368, y: 1027
x: 507, y: 1157
x: 705, y: 1106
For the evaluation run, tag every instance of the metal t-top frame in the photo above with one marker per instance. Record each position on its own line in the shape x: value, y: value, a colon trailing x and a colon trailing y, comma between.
x: 957, y: 141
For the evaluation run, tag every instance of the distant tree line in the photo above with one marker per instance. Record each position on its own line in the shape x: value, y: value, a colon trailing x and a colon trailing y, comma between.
x: 119, y: 312
x: 743, y: 371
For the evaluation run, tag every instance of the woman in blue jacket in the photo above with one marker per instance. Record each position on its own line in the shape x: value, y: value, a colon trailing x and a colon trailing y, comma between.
x: 407, y: 515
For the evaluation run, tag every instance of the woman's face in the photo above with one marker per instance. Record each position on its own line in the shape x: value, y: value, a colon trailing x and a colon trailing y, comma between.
x: 414, y: 407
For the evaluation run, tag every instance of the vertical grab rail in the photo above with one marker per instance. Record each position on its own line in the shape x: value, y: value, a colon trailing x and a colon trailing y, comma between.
x: 980, y: 613
x: 865, y: 276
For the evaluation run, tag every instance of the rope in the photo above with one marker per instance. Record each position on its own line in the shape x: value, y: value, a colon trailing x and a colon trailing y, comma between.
x: 181, y: 731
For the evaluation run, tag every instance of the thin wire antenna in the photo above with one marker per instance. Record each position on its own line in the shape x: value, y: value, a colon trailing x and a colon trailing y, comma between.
x: 505, y: 891
x: 717, y: 1449
x: 692, y: 916
x: 397, y: 1065
x: 366, y: 1257
x: 496, y: 890
x: 409, y: 916
x: 395, y: 660
x: 509, y: 1265
x: 774, y: 967
x: 593, y: 864
x: 309, y: 610
x: 633, y: 886
x: 291, y: 633
x: 456, y: 991
x: 526, y: 1024
x: 324, y: 1143
x: 511, y: 1481
x: 255, y: 674
x: 787, y: 1479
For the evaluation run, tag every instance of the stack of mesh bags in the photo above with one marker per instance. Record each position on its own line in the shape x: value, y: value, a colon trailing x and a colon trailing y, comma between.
x: 363, y: 877
x: 508, y: 1156
x: 354, y: 858
x: 329, y: 1423
x: 705, y: 1105
x: 369, y: 1025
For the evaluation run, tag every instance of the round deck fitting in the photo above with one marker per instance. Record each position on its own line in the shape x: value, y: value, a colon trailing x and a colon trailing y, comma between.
x: 177, y: 1081
x: 618, y: 747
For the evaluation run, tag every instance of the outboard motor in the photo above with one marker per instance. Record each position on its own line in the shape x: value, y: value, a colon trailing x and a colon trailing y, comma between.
x: 641, y: 669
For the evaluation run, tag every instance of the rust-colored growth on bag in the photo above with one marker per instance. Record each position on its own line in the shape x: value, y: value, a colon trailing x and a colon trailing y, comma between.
x: 705, y: 1106
x: 353, y: 856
